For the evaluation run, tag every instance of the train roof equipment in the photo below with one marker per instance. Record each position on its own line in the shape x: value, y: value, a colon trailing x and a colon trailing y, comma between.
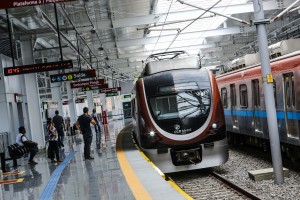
x: 284, y: 47
x: 278, y: 50
x: 170, y: 61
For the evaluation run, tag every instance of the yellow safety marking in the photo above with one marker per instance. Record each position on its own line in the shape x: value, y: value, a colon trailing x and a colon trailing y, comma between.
x: 174, y: 185
x: 171, y: 182
x: 135, y: 185
x: 4, y: 182
x: 13, y: 173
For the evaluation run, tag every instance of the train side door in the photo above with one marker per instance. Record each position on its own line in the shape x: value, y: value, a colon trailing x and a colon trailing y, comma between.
x: 233, y: 108
x: 256, y: 106
x: 289, y: 105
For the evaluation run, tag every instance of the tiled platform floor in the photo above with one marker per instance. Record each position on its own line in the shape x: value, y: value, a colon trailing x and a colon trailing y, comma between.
x: 100, y: 178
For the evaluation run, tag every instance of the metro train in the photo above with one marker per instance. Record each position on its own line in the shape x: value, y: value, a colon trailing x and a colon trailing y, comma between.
x: 241, y: 91
x: 177, y: 114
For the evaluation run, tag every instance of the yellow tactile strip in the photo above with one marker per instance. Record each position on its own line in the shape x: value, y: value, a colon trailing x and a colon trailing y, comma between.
x: 138, y: 190
x: 170, y: 181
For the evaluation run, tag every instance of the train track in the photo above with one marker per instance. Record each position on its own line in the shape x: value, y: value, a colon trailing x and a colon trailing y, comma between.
x: 210, y: 185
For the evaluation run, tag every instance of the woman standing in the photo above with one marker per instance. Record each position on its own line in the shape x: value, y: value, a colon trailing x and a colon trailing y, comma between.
x: 53, y: 141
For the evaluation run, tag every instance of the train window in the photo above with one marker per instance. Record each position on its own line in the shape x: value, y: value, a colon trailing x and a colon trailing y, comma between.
x: 233, y: 95
x: 275, y: 93
x: 224, y: 97
x: 289, y: 90
x: 243, y: 96
x: 256, y: 93
x: 181, y: 105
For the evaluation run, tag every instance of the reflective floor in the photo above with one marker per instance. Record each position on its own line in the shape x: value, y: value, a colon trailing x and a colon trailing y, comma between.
x: 100, y: 178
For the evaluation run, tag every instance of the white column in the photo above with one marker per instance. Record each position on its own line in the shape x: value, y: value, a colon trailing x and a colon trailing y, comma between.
x: 56, y: 94
x: 71, y: 103
x: 36, y: 128
x: 90, y: 101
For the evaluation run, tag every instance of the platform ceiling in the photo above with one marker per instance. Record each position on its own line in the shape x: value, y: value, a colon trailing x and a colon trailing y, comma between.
x: 117, y: 36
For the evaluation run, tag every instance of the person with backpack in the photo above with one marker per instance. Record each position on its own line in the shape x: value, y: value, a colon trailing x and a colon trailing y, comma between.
x: 83, y: 124
x: 60, y: 126
x: 53, y: 141
x: 22, y: 140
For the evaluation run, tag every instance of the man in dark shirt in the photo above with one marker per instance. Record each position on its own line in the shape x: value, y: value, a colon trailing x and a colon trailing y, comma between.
x: 83, y: 123
x: 60, y: 126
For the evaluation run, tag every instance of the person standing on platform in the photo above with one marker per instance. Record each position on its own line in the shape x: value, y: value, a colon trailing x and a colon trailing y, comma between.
x: 60, y: 126
x: 83, y: 124
x: 53, y: 141
x: 97, y: 126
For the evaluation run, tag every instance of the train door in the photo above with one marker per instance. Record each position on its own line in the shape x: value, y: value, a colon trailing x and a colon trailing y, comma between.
x: 289, y: 106
x: 234, y: 118
x: 256, y: 106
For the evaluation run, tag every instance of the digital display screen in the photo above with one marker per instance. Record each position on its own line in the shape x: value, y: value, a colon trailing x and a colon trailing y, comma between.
x: 43, y: 67
x: 178, y: 87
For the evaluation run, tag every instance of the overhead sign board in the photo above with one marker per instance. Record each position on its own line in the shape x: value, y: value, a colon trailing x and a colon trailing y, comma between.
x: 43, y: 67
x: 18, y: 3
x: 110, y: 90
x: 73, y: 76
x: 90, y: 83
x: 97, y: 87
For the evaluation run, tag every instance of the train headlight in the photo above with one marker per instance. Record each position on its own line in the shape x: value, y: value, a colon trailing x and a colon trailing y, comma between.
x: 152, y: 133
x: 214, y: 125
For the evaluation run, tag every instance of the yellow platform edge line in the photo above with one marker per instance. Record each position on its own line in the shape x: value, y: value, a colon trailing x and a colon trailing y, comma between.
x: 138, y: 190
x: 171, y: 182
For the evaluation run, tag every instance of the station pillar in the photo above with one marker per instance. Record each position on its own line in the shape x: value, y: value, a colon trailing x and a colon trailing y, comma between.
x: 71, y: 103
x: 90, y: 101
x: 56, y: 95
x: 35, y: 126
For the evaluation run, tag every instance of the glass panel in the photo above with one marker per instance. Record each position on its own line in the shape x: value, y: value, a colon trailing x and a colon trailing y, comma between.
x: 182, y: 105
x: 256, y: 95
x: 233, y: 95
x: 224, y: 97
x: 178, y: 87
x: 243, y: 96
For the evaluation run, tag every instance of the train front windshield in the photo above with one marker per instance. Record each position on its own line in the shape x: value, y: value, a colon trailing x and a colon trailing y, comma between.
x: 186, y: 102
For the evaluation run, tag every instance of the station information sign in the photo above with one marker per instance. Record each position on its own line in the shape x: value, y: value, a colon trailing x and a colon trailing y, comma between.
x: 111, y: 94
x: 98, y: 87
x: 82, y: 84
x: 73, y: 76
x: 42, y: 67
x: 110, y: 90
x: 19, y: 3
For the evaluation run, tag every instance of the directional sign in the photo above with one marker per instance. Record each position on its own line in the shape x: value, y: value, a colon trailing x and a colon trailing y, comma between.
x: 18, y: 3
x: 43, y: 67
x: 111, y: 94
x: 91, y: 83
x: 73, y: 76
x: 110, y: 90
x: 98, y: 87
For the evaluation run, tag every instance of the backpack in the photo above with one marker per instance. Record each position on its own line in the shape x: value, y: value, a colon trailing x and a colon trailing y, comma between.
x: 16, y: 150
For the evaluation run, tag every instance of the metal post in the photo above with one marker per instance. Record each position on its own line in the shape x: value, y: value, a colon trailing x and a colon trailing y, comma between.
x: 10, y: 37
x: 58, y: 33
x: 260, y: 22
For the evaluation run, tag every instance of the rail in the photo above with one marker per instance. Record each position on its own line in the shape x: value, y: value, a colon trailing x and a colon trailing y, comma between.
x: 235, y: 187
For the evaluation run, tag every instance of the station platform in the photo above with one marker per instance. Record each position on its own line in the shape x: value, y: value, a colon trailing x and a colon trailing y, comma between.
x: 119, y: 171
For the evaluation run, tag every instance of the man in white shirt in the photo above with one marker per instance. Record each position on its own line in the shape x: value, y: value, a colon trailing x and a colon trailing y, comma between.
x: 21, y: 140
